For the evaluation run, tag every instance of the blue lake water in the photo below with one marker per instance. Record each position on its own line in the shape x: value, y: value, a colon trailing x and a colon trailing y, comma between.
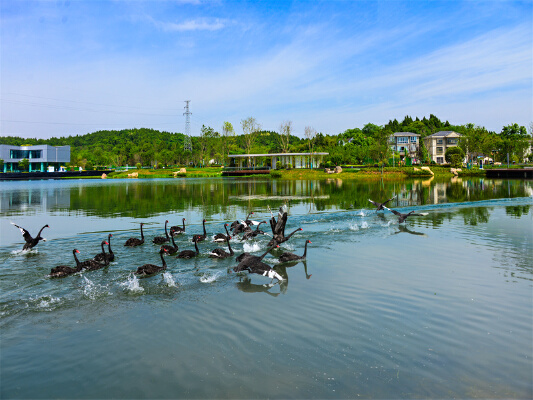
x: 438, y: 307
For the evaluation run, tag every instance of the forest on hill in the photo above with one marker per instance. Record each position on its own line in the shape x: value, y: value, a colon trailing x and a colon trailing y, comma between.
x: 369, y: 144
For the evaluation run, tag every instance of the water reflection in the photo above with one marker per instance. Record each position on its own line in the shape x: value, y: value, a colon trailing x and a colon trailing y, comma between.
x: 404, y: 229
x: 13, y: 202
x: 141, y: 199
x: 245, y: 285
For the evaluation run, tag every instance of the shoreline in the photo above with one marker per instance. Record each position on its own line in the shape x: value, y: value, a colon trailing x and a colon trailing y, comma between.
x: 370, y: 173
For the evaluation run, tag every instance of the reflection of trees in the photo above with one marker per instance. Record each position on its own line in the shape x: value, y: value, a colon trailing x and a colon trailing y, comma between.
x: 475, y: 215
x: 517, y: 211
x: 140, y: 199
x: 456, y: 193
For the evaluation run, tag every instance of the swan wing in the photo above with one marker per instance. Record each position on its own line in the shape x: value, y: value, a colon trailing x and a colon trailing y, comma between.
x: 25, y: 234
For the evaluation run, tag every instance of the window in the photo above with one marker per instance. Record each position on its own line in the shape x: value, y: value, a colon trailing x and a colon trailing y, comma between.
x: 452, y: 141
x: 440, y: 160
x: 439, y: 141
x: 439, y: 150
x: 25, y: 154
x: 413, y: 139
x: 402, y: 139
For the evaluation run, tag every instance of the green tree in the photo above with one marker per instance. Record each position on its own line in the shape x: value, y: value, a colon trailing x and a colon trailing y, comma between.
x: 285, y: 130
x: 227, y: 138
x: 24, y: 164
x: 454, y: 155
x: 1, y: 165
x: 250, y: 128
x: 514, y: 140
x: 380, y: 149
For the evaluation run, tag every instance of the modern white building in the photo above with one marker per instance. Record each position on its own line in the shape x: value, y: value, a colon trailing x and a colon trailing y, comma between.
x: 41, y: 157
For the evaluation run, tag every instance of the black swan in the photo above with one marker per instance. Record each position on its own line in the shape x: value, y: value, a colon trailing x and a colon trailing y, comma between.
x: 252, y: 234
x: 235, y: 223
x: 150, y: 269
x: 92, y: 265
x: 257, y: 267
x: 168, y: 248
x: 242, y: 256
x: 189, y: 253
x: 177, y: 230
x: 64, y: 270
x: 278, y: 239
x: 200, y: 238
x: 242, y: 227
x: 109, y: 255
x: 31, y: 242
x: 285, y: 257
x: 220, y: 237
x: 403, y: 217
x: 132, y: 242
x: 219, y: 253
x: 380, y: 206
x: 162, y: 239
x: 249, y: 222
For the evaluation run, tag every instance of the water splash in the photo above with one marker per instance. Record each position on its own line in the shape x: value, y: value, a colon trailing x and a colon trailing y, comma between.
x: 354, y: 227
x: 364, y: 225
x: 28, y: 251
x: 132, y: 284
x: 169, y: 279
x: 93, y: 290
x: 210, y: 277
x: 251, y: 247
x: 47, y: 303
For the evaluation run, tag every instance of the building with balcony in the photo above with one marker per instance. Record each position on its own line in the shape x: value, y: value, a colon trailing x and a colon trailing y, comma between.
x: 407, y: 144
x: 439, y: 142
x: 41, y: 157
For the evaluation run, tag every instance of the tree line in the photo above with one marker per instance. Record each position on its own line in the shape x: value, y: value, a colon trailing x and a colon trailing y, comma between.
x: 369, y: 144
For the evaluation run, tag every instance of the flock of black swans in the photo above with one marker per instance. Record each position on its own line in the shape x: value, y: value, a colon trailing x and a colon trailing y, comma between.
x: 246, y: 262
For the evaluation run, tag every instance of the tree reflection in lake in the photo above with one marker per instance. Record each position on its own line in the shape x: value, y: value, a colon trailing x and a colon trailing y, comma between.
x: 220, y: 196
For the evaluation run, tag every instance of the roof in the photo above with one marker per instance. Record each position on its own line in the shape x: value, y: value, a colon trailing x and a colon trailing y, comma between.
x: 443, y: 133
x: 405, y: 134
x: 276, y: 155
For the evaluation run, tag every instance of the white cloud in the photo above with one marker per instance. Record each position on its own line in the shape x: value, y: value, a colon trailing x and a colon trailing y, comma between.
x: 201, y: 24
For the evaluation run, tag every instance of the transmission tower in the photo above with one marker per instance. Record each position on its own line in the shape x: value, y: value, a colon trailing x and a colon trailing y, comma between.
x: 187, y: 144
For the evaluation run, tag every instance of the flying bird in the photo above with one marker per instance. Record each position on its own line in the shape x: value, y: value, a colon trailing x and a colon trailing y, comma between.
x: 402, y: 217
x: 381, y: 206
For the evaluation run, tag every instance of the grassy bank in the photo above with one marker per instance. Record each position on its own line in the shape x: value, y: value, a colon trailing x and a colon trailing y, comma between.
x: 168, y: 173
x: 390, y: 173
x: 372, y: 173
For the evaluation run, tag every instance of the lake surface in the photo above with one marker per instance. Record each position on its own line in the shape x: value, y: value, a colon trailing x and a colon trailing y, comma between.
x: 440, y: 306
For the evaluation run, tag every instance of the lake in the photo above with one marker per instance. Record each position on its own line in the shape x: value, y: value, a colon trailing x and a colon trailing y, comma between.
x: 440, y: 306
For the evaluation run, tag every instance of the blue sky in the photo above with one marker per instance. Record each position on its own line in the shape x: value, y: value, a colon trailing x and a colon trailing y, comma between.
x: 74, y: 67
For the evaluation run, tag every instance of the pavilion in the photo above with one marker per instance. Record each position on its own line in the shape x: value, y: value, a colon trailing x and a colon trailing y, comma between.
x: 297, y: 160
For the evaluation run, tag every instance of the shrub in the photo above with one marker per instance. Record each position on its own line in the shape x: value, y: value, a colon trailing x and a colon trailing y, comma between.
x: 274, y: 173
x: 278, y: 165
x: 138, y: 165
x: 288, y: 166
x: 454, y: 156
